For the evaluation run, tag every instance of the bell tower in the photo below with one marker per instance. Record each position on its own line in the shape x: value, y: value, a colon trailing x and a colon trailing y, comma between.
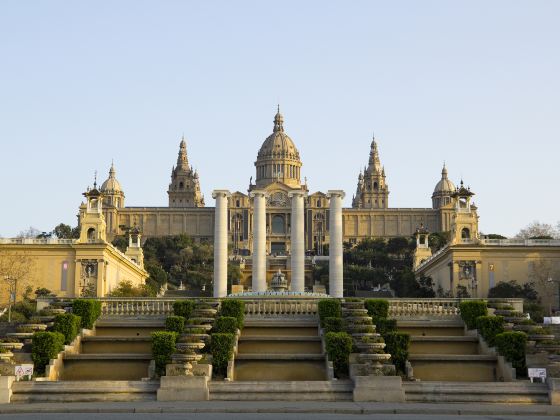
x: 464, y: 226
x: 372, y: 191
x: 92, y: 222
x: 423, y: 250
x: 134, y: 250
x: 184, y: 189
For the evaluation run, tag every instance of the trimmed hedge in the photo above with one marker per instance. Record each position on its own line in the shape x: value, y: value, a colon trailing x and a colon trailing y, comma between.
x: 489, y: 327
x: 183, y: 308
x: 511, y: 345
x: 339, y: 346
x: 68, y: 325
x: 225, y: 324
x: 472, y: 309
x: 397, y: 346
x: 88, y: 310
x: 329, y: 308
x: 385, y: 326
x: 377, y: 308
x: 221, y: 347
x: 332, y: 324
x: 163, y: 346
x: 175, y: 323
x: 45, y: 346
x: 234, y: 308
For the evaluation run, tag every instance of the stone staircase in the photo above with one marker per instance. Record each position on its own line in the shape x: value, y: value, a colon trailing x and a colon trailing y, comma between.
x: 280, y: 351
x: 440, y: 351
x: 518, y: 392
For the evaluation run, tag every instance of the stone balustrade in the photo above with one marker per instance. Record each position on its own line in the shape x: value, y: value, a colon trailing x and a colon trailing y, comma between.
x: 406, y: 308
x: 281, y: 308
x: 137, y: 306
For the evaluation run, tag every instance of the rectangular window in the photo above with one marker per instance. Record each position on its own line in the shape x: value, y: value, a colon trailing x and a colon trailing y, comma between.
x: 64, y: 276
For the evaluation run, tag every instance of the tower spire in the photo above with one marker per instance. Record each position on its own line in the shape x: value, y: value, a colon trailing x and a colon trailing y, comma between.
x: 278, y: 121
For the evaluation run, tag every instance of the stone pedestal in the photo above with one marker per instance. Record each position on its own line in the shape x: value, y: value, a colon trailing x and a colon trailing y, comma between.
x: 336, y: 275
x: 183, y: 388
x: 378, y: 389
x: 220, y: 242
x: 259, y: 241
x: 298, y: 241
x: 6, y: 388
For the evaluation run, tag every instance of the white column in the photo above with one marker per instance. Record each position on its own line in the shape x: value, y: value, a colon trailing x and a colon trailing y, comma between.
x: 259, y: 240
x: 220, y: 242
x: 336, y: 276
x: 297, y: 240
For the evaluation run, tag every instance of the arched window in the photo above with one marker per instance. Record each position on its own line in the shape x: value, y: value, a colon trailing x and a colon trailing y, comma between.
x: 278, y: 226
x: 181, y: 185
x: 375, y: 186
x: 91, y: 234
x: 466, y: 233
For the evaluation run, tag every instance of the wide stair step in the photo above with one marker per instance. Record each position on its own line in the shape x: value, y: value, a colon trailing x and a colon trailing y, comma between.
x: 84, y: 391
x: 282, y: 391
x: 519, y: 392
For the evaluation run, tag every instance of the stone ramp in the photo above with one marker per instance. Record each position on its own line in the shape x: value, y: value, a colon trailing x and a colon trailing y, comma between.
x: 282, y: 391
x: 84, y: 391
x: 519, y: 392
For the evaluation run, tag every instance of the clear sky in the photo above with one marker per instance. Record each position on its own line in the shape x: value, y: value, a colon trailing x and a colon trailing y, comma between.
x: 473, y: 83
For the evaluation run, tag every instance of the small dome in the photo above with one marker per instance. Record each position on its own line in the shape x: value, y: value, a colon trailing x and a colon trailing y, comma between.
x: 444, y: 185
x: 278, y: 145
x: 111, y: 184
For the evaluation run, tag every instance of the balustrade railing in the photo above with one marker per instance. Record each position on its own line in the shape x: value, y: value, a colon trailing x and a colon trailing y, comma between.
x: 280, y: 308
x: 136, y: 306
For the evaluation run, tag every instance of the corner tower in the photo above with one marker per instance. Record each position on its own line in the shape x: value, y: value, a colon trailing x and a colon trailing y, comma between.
x: 372, y: 191
x: 184, y: 189
x: 278, y: 159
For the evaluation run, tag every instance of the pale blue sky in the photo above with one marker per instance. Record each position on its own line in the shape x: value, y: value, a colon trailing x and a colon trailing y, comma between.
x: 472, y: 83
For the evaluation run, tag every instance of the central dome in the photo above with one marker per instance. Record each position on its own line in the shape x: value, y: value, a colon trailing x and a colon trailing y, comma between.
x: 278, y: 158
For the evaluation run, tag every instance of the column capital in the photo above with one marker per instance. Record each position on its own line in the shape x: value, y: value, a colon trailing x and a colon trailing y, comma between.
x: 297, y: 193
x: 336, y: 193
x: 259, y: 193
x: 222, y: 193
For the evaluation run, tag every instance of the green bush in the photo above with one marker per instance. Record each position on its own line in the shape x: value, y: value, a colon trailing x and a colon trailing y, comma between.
x: 377, y: 308
x: 536, y: 311
x: 221, y: 347
x: 68, y: 325
x: 332, y: 324
x: 234, y: 308
x: 163, y: 346
x: 472, y: 309
x: 489, y: 327
x: 511, y: 345
x: 45, y: 346
x: 339, y: 347
x: 225, y: 324
x: 175, y: 323
x: 183, y: 308
x: 329, y: 308
x: 385, y: 326
x: 397, y: 346
x: 88, y: 310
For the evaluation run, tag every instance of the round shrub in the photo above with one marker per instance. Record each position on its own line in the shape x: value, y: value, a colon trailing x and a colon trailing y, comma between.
x: 163, y: 346
x: 377, y: 308
x: 234, y: 308
x: 68, y: 325
x: 332, y: 324
x: 472, y: 309
x: 489, y: 327
x: 183, y: 308
x: 88, y: 310
x: 221, y: 347
x: 329, y: 308
x: 385, y: 326
x: 225, y: 324
x: 511, y: 345
x: 45, y: 346
x: 339, y: 347
x: 397, y: 346
x: 175, y: 323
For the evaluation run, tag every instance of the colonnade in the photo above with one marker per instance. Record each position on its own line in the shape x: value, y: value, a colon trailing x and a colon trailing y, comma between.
x: 259, y: 242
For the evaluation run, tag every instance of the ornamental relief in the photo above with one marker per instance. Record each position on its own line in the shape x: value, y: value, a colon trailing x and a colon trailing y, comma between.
x: 278, y: 199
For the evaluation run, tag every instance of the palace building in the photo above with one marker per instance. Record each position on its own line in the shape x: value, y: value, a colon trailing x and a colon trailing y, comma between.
x: 278, y: 172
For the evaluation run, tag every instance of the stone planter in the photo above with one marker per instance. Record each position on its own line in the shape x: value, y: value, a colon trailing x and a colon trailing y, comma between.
x: 515, y: 319
x: 363, y: 329
x: 354, y: 312
x: 200, y: 337
x: 202, y: 320
x: 358, y: 336
x: 541, y: 337
x: 374, y: 358
x: 370, y: 348
x: 361, y: 320
x: 207, y: 312
x: 36, y: 327
x: 55, y: 311
x: 353, y: 305
x: 11, y: 346
x: 548, y: 347
x: 525, y: 328
x: 192, y: 346
x: 5, y: 357
x: 206, y: 327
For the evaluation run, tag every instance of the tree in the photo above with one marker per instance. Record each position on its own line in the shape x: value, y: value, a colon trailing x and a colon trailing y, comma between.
x: 30, y: 232
x: 546, y: 277
x: 438, y: 240
x: 538, y: 230
x: 494, y: 236
x: 62, y: 231
x: 462, y: 292
x: 15, y: 272
x: 126, y: 289
x: 511, y: 289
